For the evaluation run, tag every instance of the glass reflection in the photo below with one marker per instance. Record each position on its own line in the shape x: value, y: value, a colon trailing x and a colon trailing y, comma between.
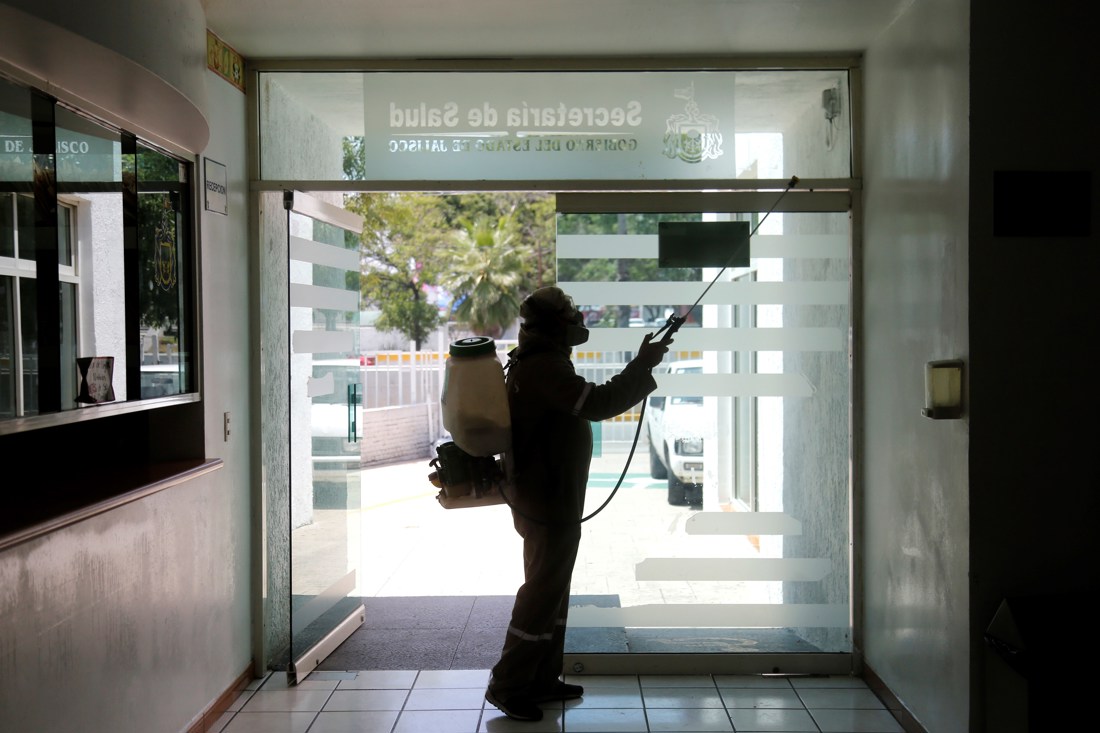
x: 160, y: 217
x: 16, y: 251
x: 89, y: 175
x: 119, y: 212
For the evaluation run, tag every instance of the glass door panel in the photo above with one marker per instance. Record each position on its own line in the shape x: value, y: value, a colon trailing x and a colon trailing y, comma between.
x: 325, y: 420
x: 730, y: 536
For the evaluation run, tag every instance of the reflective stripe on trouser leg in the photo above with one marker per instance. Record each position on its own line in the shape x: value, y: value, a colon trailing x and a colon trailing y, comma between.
x: 534, y: 645
x: 525, y: 636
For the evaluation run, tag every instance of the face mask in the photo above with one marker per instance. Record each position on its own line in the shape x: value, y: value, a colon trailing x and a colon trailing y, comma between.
x: 575, y: 335
x: 575, y: 331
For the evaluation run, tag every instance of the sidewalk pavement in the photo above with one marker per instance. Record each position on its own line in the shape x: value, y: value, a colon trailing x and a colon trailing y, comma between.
x: 411, y: 546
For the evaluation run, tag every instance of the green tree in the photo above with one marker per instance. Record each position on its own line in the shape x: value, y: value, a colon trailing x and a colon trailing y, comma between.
x: 490, y: 272
x: 620, y: 270
x: 408, y: 243
x: 403, y: 247
x: 532, y: 219
x: 355, y: 166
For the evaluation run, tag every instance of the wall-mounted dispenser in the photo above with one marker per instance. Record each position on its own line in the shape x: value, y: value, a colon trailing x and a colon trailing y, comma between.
x: 830, y: 102
x: 943, y: 382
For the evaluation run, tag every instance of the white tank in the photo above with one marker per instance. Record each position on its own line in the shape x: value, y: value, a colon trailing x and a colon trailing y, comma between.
x: 475, y: 401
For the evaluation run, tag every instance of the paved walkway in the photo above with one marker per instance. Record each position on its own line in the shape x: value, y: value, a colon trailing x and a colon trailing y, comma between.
x: 411, y: 546
x: 439, y: 583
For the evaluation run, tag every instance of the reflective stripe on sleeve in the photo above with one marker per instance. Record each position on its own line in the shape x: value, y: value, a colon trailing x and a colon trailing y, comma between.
x: 580, y: 400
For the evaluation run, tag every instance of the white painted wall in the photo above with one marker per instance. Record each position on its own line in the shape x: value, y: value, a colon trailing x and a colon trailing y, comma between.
x: 915, y: 530
x: 99, y: 221
x: 158, y: 35
x: 228, y: 363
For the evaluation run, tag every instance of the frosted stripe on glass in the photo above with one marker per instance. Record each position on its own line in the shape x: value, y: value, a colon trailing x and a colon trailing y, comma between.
x: 713, y: 616
x: 734, y: 385
x: 306, y: 250
x: 723, y: 339
x: 799, y: 245
x: 322, y: 342
x: 645, y: 246
x: 315, y: 208
x: 320, y: 386
x: 739, y: 523
x: 722, y: 293
x: 719, y: 568
x: 610, y: 246
x: 321, y: 601
x: 314, y: 296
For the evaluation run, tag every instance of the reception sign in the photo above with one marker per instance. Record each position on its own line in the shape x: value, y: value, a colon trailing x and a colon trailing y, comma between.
x: 217, y: 187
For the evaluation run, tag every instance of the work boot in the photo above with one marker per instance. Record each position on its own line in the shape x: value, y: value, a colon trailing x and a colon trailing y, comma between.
x: 558, y: 691
x: 516, y: 707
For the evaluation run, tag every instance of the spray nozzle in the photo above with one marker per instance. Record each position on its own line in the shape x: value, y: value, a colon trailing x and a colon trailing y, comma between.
x: 672, y: 325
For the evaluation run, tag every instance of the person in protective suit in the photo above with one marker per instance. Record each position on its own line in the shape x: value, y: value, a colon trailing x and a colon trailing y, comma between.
x: 551, y: 407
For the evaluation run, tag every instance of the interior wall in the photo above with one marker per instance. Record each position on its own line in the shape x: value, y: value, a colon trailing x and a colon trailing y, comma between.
x: 1033, y: 479
x: 914, y: 492
x: 132, y: 616
x: 141, y: 615
x: 228, y: 360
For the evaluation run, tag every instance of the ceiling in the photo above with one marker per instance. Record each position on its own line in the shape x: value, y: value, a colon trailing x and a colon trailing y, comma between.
x: 441, y: 29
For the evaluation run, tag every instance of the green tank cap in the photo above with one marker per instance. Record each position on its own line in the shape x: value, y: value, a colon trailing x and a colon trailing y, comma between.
x: 473, y: 346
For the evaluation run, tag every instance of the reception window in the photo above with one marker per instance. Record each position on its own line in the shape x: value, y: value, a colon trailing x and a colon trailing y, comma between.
x: 96, y: 263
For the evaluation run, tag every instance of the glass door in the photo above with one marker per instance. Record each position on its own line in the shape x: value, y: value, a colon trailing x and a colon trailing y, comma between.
x: 325, y: 429
x: 727, y: 549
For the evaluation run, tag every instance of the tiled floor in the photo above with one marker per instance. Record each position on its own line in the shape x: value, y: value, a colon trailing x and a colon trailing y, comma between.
x: 481, y: 568
x: 452, y: 701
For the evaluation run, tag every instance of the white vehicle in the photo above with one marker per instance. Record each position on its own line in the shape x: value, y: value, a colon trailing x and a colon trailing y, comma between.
x: 676, y: 440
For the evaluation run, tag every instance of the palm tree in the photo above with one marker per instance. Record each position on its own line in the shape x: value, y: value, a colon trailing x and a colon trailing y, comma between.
x: 490, y: 270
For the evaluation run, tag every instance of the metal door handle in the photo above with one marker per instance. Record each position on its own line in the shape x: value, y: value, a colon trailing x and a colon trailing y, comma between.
x: 353, y: 401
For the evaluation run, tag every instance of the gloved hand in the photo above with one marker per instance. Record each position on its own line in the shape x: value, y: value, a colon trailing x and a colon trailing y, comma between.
x: 651, y: 352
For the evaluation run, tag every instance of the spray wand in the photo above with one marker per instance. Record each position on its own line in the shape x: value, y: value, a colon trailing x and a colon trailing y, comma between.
x: 674, y: 321
x: 672, y: 325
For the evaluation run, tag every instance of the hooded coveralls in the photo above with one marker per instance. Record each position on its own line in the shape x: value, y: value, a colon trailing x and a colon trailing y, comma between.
x: 551, y: 406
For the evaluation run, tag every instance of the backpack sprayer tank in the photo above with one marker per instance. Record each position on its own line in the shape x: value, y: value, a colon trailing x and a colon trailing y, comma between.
x: 475, y: 413
x: 475, y: 402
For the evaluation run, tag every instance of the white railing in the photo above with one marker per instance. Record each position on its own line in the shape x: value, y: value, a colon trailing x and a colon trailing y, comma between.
x: 403, y: 378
